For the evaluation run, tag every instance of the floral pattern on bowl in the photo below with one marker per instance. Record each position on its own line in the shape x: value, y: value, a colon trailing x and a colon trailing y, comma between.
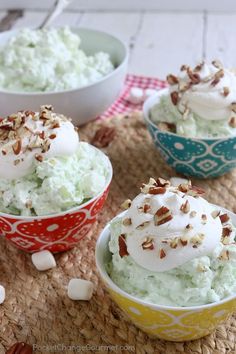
x: 199, y: 157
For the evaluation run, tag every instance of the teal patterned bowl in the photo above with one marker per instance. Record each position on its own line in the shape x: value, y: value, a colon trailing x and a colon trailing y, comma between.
x: 199, y: 157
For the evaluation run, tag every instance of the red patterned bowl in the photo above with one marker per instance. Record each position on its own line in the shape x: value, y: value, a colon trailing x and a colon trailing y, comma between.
x: 58, y: 232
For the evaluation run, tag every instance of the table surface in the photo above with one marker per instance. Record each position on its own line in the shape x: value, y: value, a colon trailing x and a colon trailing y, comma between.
x: 159, y: 42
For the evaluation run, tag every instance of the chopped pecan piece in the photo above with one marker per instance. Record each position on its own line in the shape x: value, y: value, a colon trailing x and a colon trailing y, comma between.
x: 39, y: 157
x: 20, y: 348
x: 215, y: 214
x: 194, y: 77
x: 168, y: 127
x: 226, y: 91
x: 164, y: 220
x: 183, y: 241
x: 16, y: 147
x: 162, y: 253
x: 185, y: 207
x: 217, y: 64
x: 157, y: 190
x: 122, y: 246
x: 172, y: 79
x: 103, y: 137
x: 148, y: 243
x: 226, y: 231
x: 127, y: 222
x: 193, y: 214
x: 174, y: 97
x: 161, y: 182
x: 224, y: 255
x: 143, y: 225
x: 126, y: 204
x: 232, y: 122
x: 224, y: 218
x: 162, y: 211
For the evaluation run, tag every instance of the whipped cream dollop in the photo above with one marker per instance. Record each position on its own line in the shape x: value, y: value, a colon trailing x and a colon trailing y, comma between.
x: 208, y: 90
x: 165, y: 226
x: 28, y: 136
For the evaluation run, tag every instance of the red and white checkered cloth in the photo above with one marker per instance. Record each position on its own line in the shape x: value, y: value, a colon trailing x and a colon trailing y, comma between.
x: 122, y: 105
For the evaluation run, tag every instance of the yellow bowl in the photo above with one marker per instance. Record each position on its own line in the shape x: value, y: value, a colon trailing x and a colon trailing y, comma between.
x: 165, y: 322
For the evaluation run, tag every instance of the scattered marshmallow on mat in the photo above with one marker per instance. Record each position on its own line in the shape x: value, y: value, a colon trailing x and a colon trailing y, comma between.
x: 135, y: 95
x: 148, y: 93
x: 43, y: 260
x: 2, y: 294
x: 176, y: 181
x: 80, y: 289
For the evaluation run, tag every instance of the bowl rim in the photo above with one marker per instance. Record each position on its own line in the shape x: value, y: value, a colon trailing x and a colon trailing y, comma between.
x: 149, y: 103
x: 71, y: 210
x: 105, y: 233
x: 107, y: 76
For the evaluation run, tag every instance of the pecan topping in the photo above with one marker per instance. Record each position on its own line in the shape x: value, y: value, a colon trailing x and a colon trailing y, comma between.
x: 126, y: 204
x: 143, y: 225
x: 103, y: 137
x: 20, y: 348
x: 233, y: 106
x: 194, y: 77
x: 185, y: 207
x: 204, y: 219
x: 183, y: 241
x: 52, y: 136
x: 197, y: 240
x: 232, y: 122
x: 127, y: 222
x: 172, y: 79
x: 224, y: 218
x: 224, y: 255
x: 39, y: 157
x: 157, y: 190
x: 122, y: 246
x: 217, y: 64
x: 184, y: 67
x: 189, y: 227
x: 225, y: 91
x: 193, y: 214
x: 174, y: 97
x: 164, y: 220
x: 16, y: 147
x: 162, y: 253
x: 198, y: 67
x: 183, y: 187
x: 195, y: 191
x: 174, y: 242
x: 161, y: 182
x: 162, y: 211
x: 215, y: 214
x: 168, y: 127
x: 148, y: 243
x: 162, y: 216
x: 226, y: 231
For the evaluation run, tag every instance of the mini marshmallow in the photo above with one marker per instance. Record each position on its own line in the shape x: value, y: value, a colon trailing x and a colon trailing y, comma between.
x: 2, y: 294
x: 136, y: 95
x: 80, y: 289
x: 43, y: 260
x: 176, y: 181
x: 148, y: 93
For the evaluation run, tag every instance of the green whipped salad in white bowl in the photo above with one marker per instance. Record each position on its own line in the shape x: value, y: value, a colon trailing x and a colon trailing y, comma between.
x: 49, y: 60
x: 79, y: 71
x: 44, y: 168
x: 171, y: 247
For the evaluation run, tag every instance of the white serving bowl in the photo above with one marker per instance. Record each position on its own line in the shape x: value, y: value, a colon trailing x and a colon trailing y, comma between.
x: 82, y: 104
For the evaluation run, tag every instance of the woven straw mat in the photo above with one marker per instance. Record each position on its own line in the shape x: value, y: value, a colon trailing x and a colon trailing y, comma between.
x: 37, y: 309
